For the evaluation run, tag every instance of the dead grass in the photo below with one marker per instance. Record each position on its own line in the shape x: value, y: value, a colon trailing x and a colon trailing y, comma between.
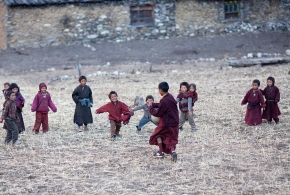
x: 223, y: 157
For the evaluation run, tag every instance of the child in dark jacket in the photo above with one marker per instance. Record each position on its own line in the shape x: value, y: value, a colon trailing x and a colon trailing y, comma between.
x: 272, y: 95
x: 19, y: 101
x: 41, y: 104
x: 147, y: 116
x: 118, y: 112
x: 10, y: 116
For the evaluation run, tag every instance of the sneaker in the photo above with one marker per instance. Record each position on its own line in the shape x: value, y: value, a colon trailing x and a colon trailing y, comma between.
x: 86, y: 128
x: 174, y: 157
x: 138, y: 129
x: 113, y: 138
x: 193, y: 129
x: 159, y: 154
x: 180, y: 128
x: 119, y: 135
x: 16, y: 143
x: 79, y: 129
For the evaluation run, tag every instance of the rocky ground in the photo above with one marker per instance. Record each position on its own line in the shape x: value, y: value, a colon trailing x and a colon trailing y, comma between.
x: 224, y: 156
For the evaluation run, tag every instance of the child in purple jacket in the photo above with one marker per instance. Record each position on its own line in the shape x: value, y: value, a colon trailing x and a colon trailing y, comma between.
x: 41, y: 104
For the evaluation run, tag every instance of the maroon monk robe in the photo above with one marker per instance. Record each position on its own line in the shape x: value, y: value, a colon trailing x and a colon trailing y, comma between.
x: 167, y: 128
x: 272, y: 110
x: 255, y: 101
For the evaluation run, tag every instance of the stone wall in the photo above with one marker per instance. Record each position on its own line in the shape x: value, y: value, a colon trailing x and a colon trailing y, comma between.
x: 52, y: 25
x: 3, y: 18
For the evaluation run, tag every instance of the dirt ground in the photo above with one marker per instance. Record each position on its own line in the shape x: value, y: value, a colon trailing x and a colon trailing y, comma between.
x: 224, y: 156
x: 155, y: 52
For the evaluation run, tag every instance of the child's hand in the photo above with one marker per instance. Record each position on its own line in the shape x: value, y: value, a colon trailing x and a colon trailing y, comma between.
x: 130, y: 109
x: 1, y: 121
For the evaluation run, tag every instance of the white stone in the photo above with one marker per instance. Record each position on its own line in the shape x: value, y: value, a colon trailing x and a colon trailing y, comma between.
x: 51, y: 69
x: 47, y: 25
x: 259, y: 55
x: 212, y: 59
x: 66, y: 30
x: 166, y: 37
x: 244, y: 57
x: 80, y: 30
x: 160, y: 24
x: 174, y: 71
x: 103, y: 17
x: 122, y: 73
x: 70, y: 34
x: 119, y: 29
x: 155, y: 31
x: 288, y: 52
x: 99, y: 73
x: 92, y: 36
x: 162, y: 31
x: 177, y: 26
x: 116, y: 72
x: 105, y: 32
x: 78, y: 25
x: 93, y: 49
x: 191, y: 34
x: 201, y: 59
x: 138, y: 72
x: 250, y: 55
x: 108, y: 64
x: 100, y: 27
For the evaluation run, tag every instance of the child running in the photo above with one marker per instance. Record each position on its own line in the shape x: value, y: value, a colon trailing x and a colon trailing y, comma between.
x: 147, y: 116
x: 165, y: 135
x: 185, y: 105
x: 82, y: 96
x: 19, y: 101
x: 10, y: 116
x: 118, y: 112
x: 41, y: 104
x: 255, y: 100
x: 272, y: 95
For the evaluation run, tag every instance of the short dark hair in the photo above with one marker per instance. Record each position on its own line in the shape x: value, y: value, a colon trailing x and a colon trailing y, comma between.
x: 149, y: 97
x: 192, y: 85
x: 111, y: 93
x: 184, y: 84
x: 9, y: 93
x: 7, y: 84
x: 257, y: 82
x: 163, y: 86
x: 81, y: 78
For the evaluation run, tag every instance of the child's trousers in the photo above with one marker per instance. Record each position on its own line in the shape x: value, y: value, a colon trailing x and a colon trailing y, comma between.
x: 144, y: 121
x: 186, y: 115
x: 12, y: 131
x: 115, y: 127
x: 41, y: 119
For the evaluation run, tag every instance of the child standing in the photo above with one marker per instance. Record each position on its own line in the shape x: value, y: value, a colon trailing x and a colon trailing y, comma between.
x: 165, y: 135
x: 82, y: 96
x: 41, y: 104
x: 193, y: 94
x: 147, y: 116
x: 255, y: 100
x: 185, y: 105
x: 5, y: 91
x: 272, y: 95
x: 19, y: 101
x: 118, y: 112
x: 10, y: 116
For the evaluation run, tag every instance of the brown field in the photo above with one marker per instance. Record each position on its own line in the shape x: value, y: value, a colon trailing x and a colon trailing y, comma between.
x: 224, y: 156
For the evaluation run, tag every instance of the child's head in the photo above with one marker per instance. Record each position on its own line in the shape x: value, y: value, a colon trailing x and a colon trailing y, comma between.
x: 113, y: 96
x: 14, y: 87
x: 149, y: 99
x: 42, y: 87
x: 255, y: 84
x: 163, y: 88
x: 83, y: 80
x: 270, y: 81
x: 6, y: 86
x: 11, y: 95
x: 192, y: 87
x: 184, y: 86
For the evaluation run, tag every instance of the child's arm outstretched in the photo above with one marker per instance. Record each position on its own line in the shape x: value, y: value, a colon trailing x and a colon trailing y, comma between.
x: 139, y: 107
x: 102, y: 109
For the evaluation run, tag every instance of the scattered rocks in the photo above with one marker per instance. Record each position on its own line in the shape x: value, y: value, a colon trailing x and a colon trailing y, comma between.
x: 288, y: 52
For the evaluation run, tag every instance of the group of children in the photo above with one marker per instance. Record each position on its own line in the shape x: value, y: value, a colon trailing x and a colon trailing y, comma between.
x: 12, y: 111
x: 254, y: 98
x: 171, y: 117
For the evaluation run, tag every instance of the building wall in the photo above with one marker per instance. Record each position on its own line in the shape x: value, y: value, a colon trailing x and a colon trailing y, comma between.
x: 3, y: 18
x: 54, y: 25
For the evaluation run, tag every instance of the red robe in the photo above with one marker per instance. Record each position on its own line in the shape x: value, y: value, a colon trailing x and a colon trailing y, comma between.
x: 167, y: 128
x: 255, y: 101
x: 272, y: 96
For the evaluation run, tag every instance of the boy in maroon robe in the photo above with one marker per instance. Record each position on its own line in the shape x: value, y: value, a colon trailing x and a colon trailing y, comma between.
x: 255, y: 100
x: 272, y: 95
x: 165, y: 135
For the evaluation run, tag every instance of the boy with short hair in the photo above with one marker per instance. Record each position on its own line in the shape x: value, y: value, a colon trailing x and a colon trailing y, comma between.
x: 165, y: 135
x: 118, y: 112
x: 10, y: 116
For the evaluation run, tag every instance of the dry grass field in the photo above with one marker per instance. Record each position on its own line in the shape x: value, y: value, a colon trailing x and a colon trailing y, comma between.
x: 224, y: 156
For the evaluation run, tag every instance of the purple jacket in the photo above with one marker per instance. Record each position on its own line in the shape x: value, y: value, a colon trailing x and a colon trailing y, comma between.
x: 42, y: 102
x: 19, y: 100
